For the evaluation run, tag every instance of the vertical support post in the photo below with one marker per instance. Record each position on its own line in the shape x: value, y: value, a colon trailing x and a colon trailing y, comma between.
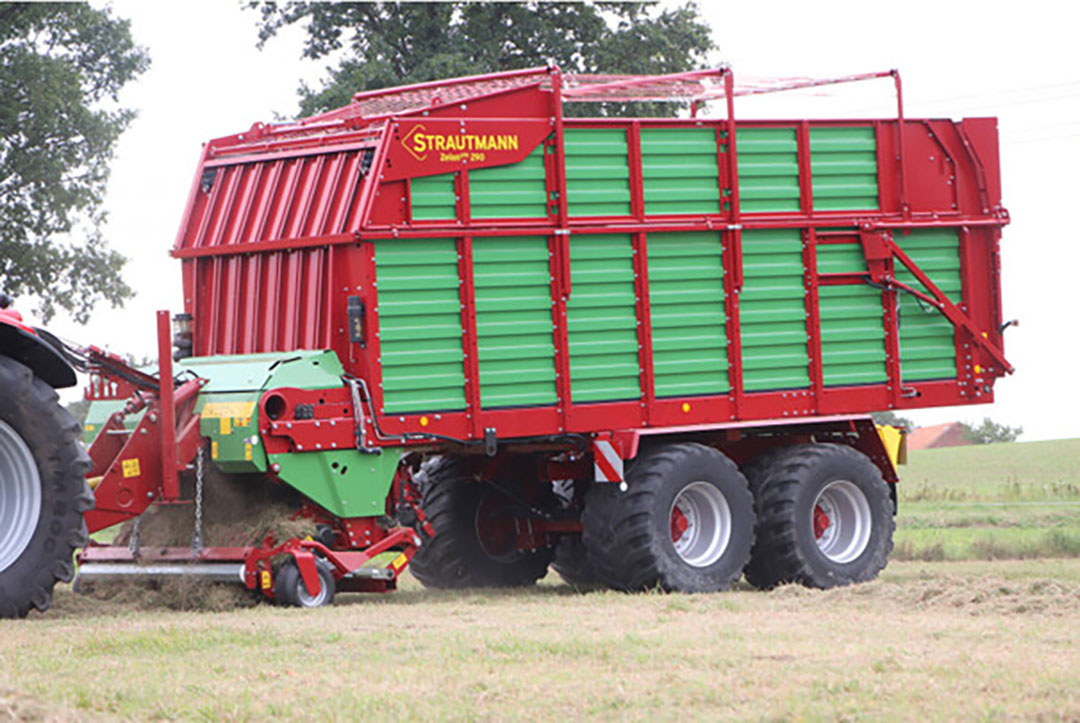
x: 644, y: 325
x: 901, y: 161
x: 560, y: 149
x: 732, y: 151
x: 170, y: 482
x: 813, y: 318
x: 469, y: 342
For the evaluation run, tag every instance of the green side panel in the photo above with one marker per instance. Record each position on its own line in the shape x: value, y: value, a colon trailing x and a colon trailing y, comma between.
x: 772, y: 311
x: 346, y: 482
x: 420, y: 325
x: 597, y: 172
x: 517, y: 190
x: 513, y: 321
x: 927, y: 346
x: 602, y: 319
x: 679, y: 170
x: 433, y: 198
x: 768, y: 169
x: 852, y: 325
x: 686, y: 300
x: 98, y: 412
x: 234, y: 436
x: 843, y: 163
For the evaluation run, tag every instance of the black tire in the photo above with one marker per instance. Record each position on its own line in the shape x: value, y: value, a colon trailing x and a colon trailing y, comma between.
x: 290, y: 590
x: 628, y: 535
x: 788, y: 547
x: 572, y: 563
x: 31, y: 412
x: 455, y: 557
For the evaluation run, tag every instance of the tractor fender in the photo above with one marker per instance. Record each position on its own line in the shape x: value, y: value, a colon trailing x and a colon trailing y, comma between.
x: 36, y: 349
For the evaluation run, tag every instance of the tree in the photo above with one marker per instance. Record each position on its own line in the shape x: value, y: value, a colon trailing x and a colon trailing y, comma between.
x: 894, y: 419
x: 990, y: 432
x: 392, y: 44
x: 61, y: 67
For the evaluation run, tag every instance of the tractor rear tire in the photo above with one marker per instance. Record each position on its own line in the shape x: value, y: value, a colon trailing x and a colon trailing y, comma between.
x: 684, y: 524
x: 572, y: 564
x: 43, y: 491
x: 825, y: 519
x: 461, y: 554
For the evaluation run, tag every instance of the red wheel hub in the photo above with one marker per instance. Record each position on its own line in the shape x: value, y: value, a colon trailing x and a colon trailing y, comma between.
x: 679, y: 523
x: 821, y: 522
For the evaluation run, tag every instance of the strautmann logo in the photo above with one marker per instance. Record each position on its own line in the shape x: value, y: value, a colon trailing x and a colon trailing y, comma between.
x: 457, y: 146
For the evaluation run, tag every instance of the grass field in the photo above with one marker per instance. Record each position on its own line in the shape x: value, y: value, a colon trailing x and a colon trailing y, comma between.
x: 970, y: 638
x: 999, y: 501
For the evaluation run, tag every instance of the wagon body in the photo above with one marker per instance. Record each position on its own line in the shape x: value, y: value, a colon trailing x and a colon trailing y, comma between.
x: 491, y: 267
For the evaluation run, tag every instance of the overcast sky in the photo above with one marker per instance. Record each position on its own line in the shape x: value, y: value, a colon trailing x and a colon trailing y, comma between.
x: 1018, y: 62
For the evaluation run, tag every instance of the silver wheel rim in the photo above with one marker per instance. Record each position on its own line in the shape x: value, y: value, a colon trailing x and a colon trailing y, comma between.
x: 841, y: 522
x: 700, y: 520
x: 20, y: 496
x: 306, y: 599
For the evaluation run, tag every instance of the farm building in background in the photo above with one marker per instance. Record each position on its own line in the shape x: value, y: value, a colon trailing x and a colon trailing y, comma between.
x: 950, y: 434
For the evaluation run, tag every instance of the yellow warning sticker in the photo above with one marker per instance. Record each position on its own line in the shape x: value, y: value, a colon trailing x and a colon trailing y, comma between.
x: 130, y: 467
x: 213, y: 450
x: 90, y: 428
x: 247, y: 451
x: 399, y: 561
x: 264, y: 579
x: 232, y: 410
x: 226, y: 425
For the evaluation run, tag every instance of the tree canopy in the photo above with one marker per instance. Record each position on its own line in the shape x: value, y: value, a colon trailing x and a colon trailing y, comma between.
x: 990, y: 432
x: 61, y: 67
x: 378, y: 45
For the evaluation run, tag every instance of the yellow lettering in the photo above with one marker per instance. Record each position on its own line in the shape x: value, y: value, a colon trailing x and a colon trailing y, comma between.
x: 419, y: 143
x: 513, y: 142
x: 440, y: 143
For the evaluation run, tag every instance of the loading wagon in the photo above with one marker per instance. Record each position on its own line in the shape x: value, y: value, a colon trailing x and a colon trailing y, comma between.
x: 485, y: 338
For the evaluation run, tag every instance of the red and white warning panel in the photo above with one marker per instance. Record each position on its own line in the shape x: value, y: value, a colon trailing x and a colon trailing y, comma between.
x: 607, y: 462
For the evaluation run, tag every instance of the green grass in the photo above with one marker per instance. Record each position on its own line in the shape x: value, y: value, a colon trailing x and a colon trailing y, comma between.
x: 945, y: 640
x: 998, y: 501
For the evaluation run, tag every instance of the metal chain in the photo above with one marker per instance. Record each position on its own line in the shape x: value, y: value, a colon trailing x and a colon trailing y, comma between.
x: 133, y: 541
x: 197, y: 535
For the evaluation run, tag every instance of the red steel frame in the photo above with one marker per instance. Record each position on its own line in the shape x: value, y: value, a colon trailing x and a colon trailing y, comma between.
x: 223, y: 264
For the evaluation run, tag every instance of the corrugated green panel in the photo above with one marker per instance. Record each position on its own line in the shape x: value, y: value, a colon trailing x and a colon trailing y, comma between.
x: 602, y: 322
x: 843, y: 162
x: 852, y: 327
x: 686, y: 300
x: 927, y: 343
x: 517, y: 190
x: 420, y: 325
x: 597, y: 172
x: 433, y: 198
x: 679, y: 170
x: 513, y: 321
x: 772, y: 311
x: 768, y: 169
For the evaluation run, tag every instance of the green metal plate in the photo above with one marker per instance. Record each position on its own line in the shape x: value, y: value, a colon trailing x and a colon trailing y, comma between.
x: 768, y: 169
x: 433, y: 198
x: 517, y: 190
x: 602, y: 319
x: 516, y: 352
x: 597, y: 172
x: 345, y: 482
x: 927, y: 338
x: 843, y: 163
x: 772, y: 311
x: 852, y: 321
x: 687, y: 313
x: 680, y: 171
x: 419, y: 312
